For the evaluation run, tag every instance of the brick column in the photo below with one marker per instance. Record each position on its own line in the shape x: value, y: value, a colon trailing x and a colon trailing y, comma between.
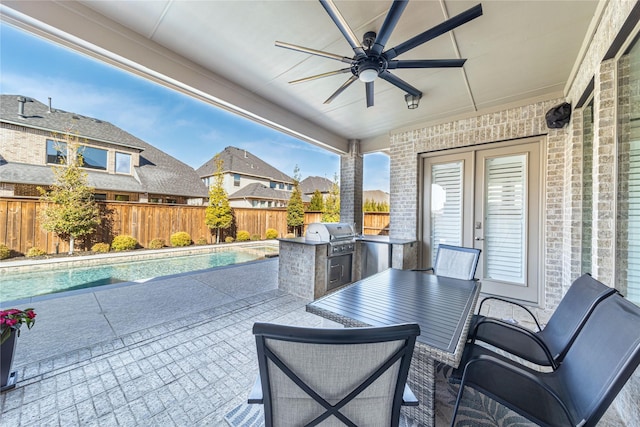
x: 351, y: 166
x: 604, y: 190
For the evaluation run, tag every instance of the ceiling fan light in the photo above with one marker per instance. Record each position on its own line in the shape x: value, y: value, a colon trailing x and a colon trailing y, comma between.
x: 368, y: 75
x: 412, y: 101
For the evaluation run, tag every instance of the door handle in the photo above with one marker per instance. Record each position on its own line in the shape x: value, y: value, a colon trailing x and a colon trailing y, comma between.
x: 479, y: 238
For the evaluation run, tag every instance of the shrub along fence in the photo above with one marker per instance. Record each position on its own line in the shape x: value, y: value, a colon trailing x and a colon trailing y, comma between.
x: 20, y: 223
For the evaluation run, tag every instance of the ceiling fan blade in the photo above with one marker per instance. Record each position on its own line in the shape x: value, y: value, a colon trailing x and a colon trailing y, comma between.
x: 319, y: 76
x: 436, y: 31
x: 342, y: 25
x: 369, y: 87
x: 341, y: 89
x: 388, y: 25
x: 426, y: 63
x: 314, y: 52
x: 398, y: 82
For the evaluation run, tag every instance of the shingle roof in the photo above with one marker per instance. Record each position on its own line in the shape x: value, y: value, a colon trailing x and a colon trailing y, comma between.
x: 158, y: 173
x: 261, y: 191
x: 312, y: 183
x: 37, y: 115
x: 43, y: 175
x: 236, y: 160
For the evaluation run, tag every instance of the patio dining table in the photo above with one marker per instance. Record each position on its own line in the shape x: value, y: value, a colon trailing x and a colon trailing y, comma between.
x: 442, y: 306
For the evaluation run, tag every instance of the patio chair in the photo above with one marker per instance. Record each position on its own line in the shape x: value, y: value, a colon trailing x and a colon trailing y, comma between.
x: 548, y: 346
x: 604, y: 355
x: 354, y: 376
x: 455, y: 261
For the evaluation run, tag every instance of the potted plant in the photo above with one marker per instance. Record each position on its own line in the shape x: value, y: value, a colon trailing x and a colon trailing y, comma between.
x: 10, y: 322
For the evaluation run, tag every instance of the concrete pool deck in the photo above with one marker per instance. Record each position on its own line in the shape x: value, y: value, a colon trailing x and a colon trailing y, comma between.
x: 172, y: 351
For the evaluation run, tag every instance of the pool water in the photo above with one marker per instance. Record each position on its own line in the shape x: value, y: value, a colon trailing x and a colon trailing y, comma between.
x: 15, y: 286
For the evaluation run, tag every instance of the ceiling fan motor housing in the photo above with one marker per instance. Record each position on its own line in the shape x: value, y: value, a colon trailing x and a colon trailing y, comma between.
x: 365, y: 66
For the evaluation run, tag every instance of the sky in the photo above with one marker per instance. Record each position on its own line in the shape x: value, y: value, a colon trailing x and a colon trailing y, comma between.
x: 187, y: 129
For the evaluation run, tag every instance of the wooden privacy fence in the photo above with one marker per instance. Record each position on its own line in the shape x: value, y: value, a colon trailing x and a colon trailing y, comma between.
x: 20, y: 227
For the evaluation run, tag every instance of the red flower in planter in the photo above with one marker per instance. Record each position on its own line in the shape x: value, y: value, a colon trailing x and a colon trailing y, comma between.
x: 12, y: 319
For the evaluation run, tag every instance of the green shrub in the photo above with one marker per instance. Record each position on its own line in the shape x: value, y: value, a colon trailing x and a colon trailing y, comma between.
x: 242, y: 236
x: 32, y: 252
x: 5, y: 252
x: 124, y: 243
x: 156, y: 244
x: 201, y: 241
x: 228, y: 239
x: 181, y: 238
x: 100, y: 248
x: 256, y: 237
x: 271, y: 233
x: 289, y: 236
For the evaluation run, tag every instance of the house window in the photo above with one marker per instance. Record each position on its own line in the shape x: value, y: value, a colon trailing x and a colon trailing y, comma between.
x: 93, y: 158
x: 123, y: 163
x: 236, y: 180
x: 172, y: 201
x: 628, y: 203
x: 100, y: 196
x: 281, y: 186
x: 56, y: 152
x: 122, y: 197
x: 155, y: 200
x: 272, y: 184
x: 289, y: 187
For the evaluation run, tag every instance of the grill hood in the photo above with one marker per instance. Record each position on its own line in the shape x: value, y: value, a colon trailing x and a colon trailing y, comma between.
x: 329, y: 232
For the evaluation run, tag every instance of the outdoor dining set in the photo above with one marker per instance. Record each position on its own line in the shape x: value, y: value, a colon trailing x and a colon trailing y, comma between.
x: 402, y: 325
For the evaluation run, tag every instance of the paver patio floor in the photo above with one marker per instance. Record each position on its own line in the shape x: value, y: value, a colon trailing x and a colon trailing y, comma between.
x: 156, y: 360
x: 169, y: 352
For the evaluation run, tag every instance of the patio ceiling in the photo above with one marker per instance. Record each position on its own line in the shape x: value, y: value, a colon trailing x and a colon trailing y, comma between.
x: 223, y: 52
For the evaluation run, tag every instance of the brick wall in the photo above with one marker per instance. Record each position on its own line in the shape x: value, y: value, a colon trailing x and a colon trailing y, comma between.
x: 25, y: 145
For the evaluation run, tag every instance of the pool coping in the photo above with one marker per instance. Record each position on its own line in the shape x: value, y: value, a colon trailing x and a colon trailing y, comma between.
x: 7, y: 267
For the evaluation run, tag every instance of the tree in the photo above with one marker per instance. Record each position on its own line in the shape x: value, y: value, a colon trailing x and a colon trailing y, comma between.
x: 295, y: 207
x: 317, y: 202
x: 69, y: 208
x: 371, y: 205
x: 218, y: 214
x: 331, y: 211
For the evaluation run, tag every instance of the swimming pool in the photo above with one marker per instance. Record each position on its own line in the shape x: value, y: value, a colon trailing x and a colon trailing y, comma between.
x: 61, y: 276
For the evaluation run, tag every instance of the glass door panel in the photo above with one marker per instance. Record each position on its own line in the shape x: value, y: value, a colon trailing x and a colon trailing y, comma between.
x: 505, y: 237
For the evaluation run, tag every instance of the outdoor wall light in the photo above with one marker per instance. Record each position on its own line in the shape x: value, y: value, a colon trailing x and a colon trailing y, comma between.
x: 412, y: 101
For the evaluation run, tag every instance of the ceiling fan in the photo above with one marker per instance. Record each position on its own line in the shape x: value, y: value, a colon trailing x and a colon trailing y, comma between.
x: 370, y: 60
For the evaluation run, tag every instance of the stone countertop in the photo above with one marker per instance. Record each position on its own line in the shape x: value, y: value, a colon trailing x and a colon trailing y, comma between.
x: 362, y: 238
x: 302, y: 241
x: 384, y: 239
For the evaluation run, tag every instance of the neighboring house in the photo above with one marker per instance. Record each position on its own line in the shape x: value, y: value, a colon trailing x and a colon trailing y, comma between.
x: 119, y: 166
x: 310, y: 184
x: 249, y: 181
x: 377, y: 196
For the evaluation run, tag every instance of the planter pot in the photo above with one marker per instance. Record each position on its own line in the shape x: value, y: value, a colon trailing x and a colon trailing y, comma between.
x: 7, y: 350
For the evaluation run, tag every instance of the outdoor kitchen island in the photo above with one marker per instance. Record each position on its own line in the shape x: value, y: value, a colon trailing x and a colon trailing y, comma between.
x: 310, y: 267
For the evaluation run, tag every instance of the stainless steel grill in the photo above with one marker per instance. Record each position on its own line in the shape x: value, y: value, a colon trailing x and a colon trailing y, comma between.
x: 340, y: 248
x: 339, y: 236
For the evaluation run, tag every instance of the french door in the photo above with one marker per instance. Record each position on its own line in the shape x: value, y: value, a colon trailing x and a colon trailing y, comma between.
x: 488, y: 197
